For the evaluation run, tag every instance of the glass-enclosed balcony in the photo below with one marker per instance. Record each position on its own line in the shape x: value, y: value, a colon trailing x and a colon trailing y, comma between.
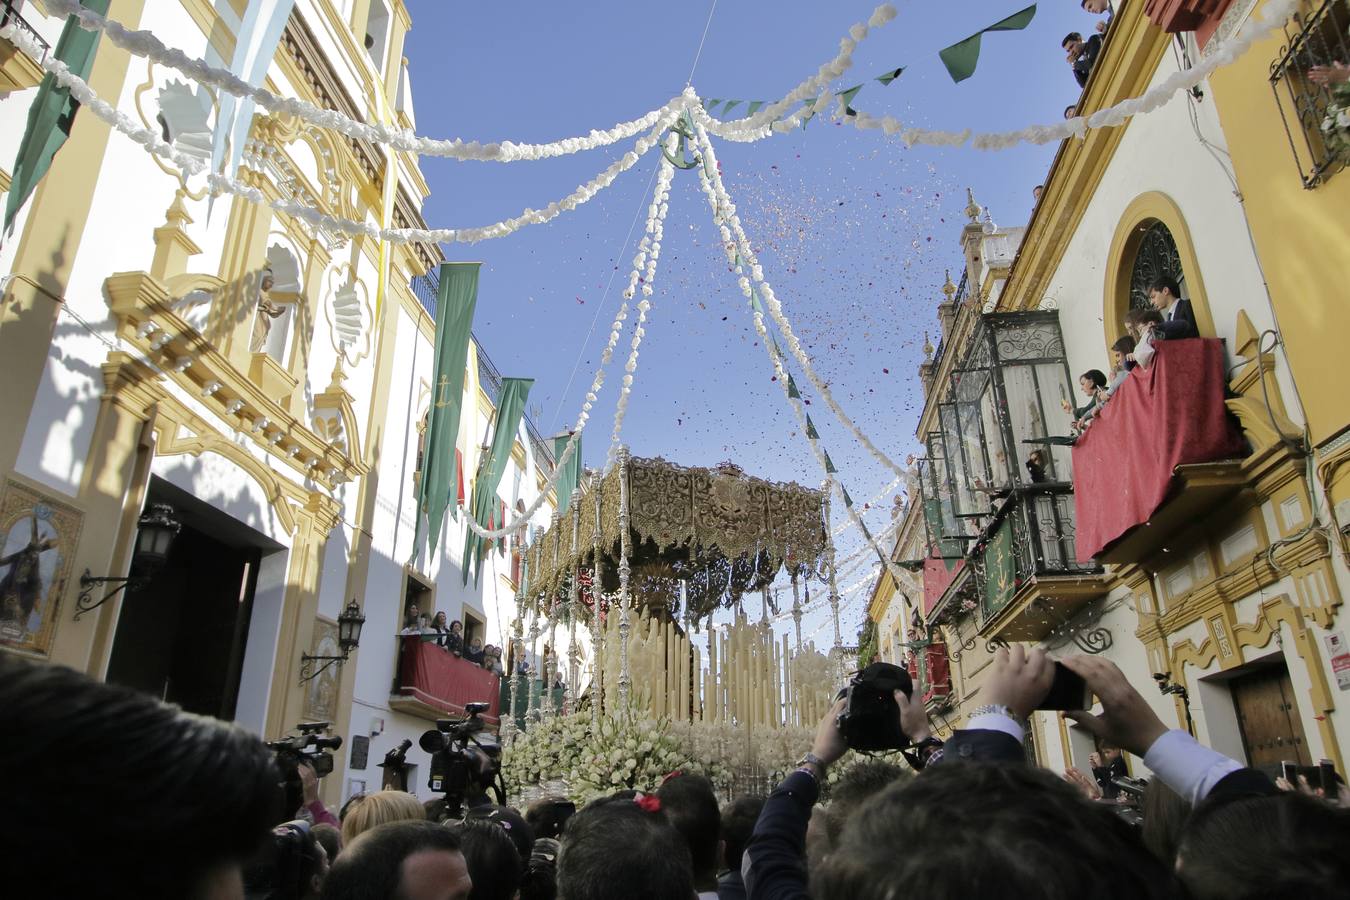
x: 997, y: 482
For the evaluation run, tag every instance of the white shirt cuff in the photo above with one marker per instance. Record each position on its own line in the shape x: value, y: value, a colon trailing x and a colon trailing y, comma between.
x: 1186, y: 766
x: 996, y: 722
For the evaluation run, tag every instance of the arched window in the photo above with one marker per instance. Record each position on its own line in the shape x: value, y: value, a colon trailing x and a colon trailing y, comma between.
x: 1156, y: 255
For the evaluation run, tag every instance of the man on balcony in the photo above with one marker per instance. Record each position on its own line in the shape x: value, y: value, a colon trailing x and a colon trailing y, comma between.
x: 1178, y: 317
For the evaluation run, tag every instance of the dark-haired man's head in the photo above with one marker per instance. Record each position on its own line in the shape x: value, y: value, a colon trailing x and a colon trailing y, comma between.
x: 615, y: 850
x: 290, y: 866
x: 1073, y: 43
x: 1070, y: 111
x: 512, y: 823
x: 548, y: 816
x: 987, y: 830
x: 494, y: 863
x: 187, y: 798
x: 1165, y: 813
x: 411, y: 860
x: 1096, y: 7
x: 738, y: 823
x: 1286, y: 847
x: 1163, y: 292
x: 863, y: 781
x: 691, y: 806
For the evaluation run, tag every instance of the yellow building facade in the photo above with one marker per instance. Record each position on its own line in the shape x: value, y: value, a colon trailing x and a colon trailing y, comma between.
x: 162, y: 346
x: 1228, y: 593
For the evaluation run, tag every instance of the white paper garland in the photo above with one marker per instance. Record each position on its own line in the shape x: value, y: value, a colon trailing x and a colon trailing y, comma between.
x: 189, y: 165
x: 771, y: 301
x: 1274, y: 16
x: 714, y: 190
x: 649, y: 252
x: 145, y: 44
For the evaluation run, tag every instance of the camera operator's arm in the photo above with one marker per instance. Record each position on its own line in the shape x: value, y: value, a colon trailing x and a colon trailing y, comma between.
x: 1191, y: 769
x: 1017, y: 682
x: 309, y: 783
x: 775, y: 859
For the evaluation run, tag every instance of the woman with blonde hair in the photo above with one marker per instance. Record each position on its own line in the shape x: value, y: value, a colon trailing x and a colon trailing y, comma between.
x: 379, y: 808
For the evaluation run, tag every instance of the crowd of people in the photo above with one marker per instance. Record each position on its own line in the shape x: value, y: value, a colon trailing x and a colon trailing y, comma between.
x: 1169, y: 317
x: 451, y: 637
x: 190, y: 807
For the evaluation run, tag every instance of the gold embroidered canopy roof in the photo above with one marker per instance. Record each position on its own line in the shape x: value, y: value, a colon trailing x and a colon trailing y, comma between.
x: 719, y: 531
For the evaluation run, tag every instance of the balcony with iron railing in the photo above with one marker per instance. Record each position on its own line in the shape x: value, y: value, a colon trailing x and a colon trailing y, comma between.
x: 19, y: 69
x: 1315, y: 113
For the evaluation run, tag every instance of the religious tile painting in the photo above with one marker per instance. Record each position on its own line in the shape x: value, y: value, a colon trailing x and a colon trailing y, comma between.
x: 321, y: 692
x: 38, y: 537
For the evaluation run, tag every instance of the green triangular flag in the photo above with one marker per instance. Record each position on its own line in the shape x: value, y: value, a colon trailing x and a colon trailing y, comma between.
x: 52, y: 112
x: 848, y: 501
x: 847, y: 96
x: 792, y: 389
x: 710, y: 104
x: 891, y: 75
x: 961, y: 58
x: 731, y: 104
x: 829, y: 464
x: 811, y: 429
x: 809, y: 106
x: 753, y: 107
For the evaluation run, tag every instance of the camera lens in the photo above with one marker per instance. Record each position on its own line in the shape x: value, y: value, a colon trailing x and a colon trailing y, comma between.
x: 432, y: 741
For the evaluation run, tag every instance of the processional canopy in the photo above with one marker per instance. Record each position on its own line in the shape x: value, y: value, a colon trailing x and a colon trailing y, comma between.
x: 715, y: 532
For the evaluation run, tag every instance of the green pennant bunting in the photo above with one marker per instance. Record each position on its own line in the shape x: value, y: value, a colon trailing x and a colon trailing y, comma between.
x: 811, y: 429
x: 753, y: 107
x: 848, y: 501
x: 891, y: 75
x: 829, y: 464
x: 792, y: 389
x: 847, y: 96
x: 731, y: 104
x: 809, y: 106
x: 961, y: 58
x: 710, y: 104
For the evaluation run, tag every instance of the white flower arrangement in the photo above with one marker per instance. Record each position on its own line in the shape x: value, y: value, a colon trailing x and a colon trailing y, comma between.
x: 1336, y: 124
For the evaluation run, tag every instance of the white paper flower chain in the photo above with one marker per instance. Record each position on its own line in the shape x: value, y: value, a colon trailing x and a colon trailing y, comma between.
x: 151, y: 142
x: 771, y: 301
x: 145, y: 44
x: 710, y: 181
x: 650, y: 248
x: 1274, y: 16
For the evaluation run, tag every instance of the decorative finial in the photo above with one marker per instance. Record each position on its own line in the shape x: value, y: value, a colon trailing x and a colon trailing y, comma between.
x: 948, y: 288
x: 927, y: 347
x: 972, y: 208
x: 989, y: 226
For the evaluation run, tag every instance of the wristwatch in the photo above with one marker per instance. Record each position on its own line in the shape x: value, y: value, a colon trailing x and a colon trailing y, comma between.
x: 813, y: 764
x: 996, y: 709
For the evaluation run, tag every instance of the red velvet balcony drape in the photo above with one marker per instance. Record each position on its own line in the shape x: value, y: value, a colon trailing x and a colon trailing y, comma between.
x: 442, y: 680
x: 1168, y: 415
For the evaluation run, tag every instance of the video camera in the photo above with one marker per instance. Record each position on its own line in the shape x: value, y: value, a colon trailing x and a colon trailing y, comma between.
x: 871, y: 720
x: 454, y: 764
x: 309, y: 746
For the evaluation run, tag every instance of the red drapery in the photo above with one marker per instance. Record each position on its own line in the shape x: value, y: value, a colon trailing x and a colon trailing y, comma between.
x: 440, y: 679
x: 936, y: 579
x: 1171, y: 414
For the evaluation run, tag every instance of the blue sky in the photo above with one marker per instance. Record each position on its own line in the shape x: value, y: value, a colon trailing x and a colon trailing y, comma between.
x: 854, y: 229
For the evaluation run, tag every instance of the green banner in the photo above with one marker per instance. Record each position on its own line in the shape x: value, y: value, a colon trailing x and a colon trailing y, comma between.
x: 1000, y: 569
x: 510, y: 408
x: 570, y: 477
x: 890, y: 76
x: 455, y: 302
x: 961, y: 58
x: 52, y: 114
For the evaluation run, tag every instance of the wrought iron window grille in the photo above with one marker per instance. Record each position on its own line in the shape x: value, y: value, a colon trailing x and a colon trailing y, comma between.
x: 1320, y: 145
